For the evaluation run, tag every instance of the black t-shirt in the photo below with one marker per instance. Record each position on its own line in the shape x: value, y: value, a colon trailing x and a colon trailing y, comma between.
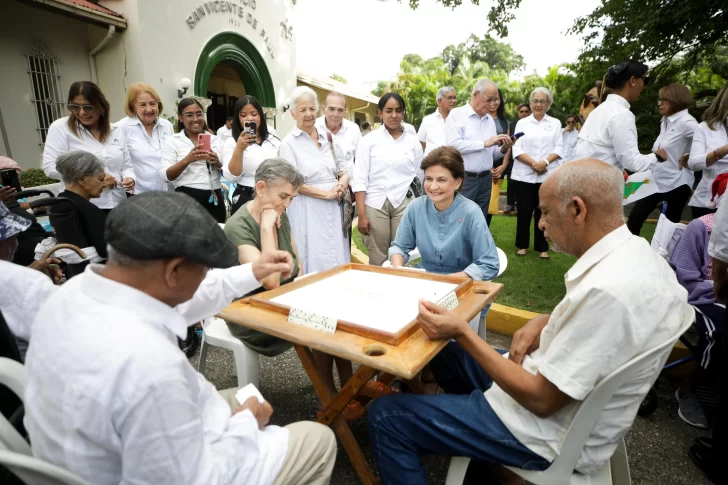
x: 92, y: 221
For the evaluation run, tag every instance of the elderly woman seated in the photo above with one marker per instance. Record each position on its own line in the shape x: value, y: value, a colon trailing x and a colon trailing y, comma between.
x: 262, y: 225
x: 83, y: 174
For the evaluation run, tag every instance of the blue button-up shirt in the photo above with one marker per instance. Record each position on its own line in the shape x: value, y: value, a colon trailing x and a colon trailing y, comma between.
x: 466, y: 132
x: 456, y: 239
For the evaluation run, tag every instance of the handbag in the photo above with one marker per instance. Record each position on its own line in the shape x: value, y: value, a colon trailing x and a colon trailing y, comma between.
x: 347, y: 207
x: 415, y: 188
x: 494, y: 196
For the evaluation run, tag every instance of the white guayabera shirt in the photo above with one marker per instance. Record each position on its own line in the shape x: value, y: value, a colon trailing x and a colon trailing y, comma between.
x: 432, y: 131
x: 111, y: 398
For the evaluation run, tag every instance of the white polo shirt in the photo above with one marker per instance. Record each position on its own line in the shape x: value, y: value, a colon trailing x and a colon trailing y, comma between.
x: 385, y: 167
x: 196, y: 175
x: 705, y: 140
x: 146, y: 151
x: 540, y: 139
x: 622, y: 299
x: 432, y: 131
x: 676, y: 137
x: 610, y: 135
x: 345, y: 141
x: 467, y: 132
x: 253, y: 156
x: 111, y: 398
x: 224, y: 132
x: 112, y: 151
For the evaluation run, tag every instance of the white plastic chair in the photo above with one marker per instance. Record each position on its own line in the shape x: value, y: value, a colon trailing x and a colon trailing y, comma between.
x: 561, y: 471
x: 247, y: 365
x: 14, y: 376
x: 34, y: 471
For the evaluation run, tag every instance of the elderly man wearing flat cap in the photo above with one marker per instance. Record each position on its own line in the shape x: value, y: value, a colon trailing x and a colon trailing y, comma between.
x: 110, y: 395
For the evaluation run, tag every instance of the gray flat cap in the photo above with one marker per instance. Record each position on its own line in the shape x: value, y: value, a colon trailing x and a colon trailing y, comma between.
x: 161, y: 225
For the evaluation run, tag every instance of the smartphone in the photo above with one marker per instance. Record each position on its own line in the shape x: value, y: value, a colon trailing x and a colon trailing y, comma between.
x: 204, y: 140
x: 517, y: 136
x: 250, y: 127
x: 10, y: 178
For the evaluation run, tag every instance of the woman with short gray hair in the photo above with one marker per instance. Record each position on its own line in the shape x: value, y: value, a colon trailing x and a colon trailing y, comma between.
x: 535, y: 155
x: 83, y: 174
x: 262, y: 225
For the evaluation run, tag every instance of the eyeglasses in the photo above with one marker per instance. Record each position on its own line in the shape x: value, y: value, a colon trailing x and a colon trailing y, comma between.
x: 540, y: 101
x: 662, y: 100
x: 490, y: 100
x: 78, y: 107
x: 451, y: 98
x: 198, y: 115
x: 524, y: 111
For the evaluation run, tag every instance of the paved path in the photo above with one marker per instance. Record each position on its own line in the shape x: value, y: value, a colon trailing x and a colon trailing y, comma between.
x: 657, y: 445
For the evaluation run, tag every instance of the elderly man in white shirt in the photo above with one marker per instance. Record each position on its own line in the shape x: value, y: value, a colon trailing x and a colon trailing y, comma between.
x: 432, y: 128
x: 345, y: 135
x: 472, y: 132
x: 622, y: 299
x: 110, y: 396
x: 610, y: 133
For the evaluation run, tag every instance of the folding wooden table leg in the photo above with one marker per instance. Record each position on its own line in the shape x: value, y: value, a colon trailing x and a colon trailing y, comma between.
x: 334, y: 405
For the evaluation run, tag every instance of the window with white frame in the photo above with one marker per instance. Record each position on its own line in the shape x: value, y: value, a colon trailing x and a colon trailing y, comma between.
x: 47, y: 89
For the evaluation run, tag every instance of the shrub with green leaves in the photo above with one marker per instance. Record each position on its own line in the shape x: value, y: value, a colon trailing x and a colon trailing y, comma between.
x: 34, y: 177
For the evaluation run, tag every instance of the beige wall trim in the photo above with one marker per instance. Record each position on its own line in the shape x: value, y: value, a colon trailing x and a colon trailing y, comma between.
x: 93, y: 16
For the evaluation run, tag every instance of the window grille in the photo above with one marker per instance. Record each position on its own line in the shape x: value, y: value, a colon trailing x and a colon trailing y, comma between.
x: 47, y: 89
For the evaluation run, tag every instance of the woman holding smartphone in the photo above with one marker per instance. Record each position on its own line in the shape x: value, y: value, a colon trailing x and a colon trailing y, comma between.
x: 190, y: 159
x: 250, y: 144
x: 88, y: 127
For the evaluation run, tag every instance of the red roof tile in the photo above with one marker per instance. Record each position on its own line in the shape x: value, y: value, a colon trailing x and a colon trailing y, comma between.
x: 92, y: 6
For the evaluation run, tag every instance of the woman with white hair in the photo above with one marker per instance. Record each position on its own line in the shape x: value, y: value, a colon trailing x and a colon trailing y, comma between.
x: 535, y: 155
x: 316, y: 214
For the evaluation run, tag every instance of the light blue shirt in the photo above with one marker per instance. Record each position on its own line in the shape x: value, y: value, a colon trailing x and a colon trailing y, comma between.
x: 456, y: 239
x: 466, y: 132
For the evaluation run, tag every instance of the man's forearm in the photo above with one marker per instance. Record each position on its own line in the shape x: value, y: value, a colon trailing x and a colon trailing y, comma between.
x: 527, y: 389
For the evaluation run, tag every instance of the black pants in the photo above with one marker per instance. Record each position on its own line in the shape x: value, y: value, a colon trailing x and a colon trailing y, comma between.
x: 676, y: 200
x: 701, y: 211
x: 527, y: 200
x: 242, y: 195
x: 203, y: 197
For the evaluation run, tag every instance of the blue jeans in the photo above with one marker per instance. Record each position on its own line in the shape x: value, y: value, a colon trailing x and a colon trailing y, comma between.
x: 404, y: 427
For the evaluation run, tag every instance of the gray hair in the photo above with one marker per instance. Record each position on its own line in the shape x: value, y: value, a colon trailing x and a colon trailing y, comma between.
x: 77, y: 164
x: 483, y: 84
x: 275, y: 169
x: 443, y: 91
x: 599, y: 184
x: 544, y: 91
x: 302, y: 92
x: 122, y: 259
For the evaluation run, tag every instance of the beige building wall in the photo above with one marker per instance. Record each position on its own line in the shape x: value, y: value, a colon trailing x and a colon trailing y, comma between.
x: 67, y: 39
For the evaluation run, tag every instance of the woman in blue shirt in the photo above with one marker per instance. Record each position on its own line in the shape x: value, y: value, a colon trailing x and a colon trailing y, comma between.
x: 448, y: 229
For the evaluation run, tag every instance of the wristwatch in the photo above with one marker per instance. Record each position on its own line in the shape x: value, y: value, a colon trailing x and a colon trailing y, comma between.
x: 659, y: 158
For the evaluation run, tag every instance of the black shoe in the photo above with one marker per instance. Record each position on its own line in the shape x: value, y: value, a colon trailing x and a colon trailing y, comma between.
x: 705, y: 460
x: 704, y: 442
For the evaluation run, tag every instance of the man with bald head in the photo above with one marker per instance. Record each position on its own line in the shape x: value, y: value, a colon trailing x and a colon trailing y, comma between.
x: 344, y: 134
x: 621, y: 300
x: 471, y: 130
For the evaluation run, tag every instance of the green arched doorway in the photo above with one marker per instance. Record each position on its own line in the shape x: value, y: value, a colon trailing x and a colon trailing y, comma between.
x: 238, y: 52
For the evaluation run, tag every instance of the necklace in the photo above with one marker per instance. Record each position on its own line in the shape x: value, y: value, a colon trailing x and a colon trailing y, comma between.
x: 148, y: 138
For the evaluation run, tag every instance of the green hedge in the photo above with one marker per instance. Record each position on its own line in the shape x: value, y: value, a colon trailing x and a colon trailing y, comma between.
x: 35, y: 177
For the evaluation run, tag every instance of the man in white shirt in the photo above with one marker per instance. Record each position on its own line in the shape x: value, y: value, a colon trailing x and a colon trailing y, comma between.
x: 226, y: 130
x: 345, y: 135
x: 471, y: 130
x: 622, y: 299
x: 571, y: 136
x: 432, y: 128
x: 110, y: 396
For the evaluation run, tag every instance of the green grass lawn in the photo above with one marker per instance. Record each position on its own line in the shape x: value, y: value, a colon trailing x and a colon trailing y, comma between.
x: 529, y: 283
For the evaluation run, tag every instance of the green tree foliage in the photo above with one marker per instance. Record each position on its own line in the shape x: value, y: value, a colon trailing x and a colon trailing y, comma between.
x: 340, y: 78
x: 497, y: 55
